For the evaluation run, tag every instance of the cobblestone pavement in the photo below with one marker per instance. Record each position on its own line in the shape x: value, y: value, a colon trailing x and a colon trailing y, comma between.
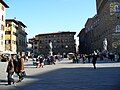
x: 66, y: 76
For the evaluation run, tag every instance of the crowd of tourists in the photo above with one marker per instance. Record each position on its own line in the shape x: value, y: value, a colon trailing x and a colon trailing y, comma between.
x: 41, y: 60
x: 16, y: 64
x: 77, y: 58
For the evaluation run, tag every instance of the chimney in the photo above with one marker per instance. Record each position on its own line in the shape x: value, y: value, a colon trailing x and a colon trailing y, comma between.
x: 14, y: 18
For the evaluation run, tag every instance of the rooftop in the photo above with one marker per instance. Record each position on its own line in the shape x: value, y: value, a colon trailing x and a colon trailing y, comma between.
x: 55, y: 33
x: 16, y: 21
x: 2, y: 2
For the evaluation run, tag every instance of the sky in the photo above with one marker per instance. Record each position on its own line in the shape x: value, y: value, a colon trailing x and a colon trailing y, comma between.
x: 47, y: 16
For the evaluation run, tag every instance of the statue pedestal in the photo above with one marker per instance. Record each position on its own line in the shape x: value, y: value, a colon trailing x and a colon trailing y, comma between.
x: 51, y: 53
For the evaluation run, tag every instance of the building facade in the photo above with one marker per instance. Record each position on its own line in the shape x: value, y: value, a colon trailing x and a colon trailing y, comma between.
x: 3, y: 7
x: 15, y: 36
x: 11, y: 31
x: 62, y: 43
x: 22, y: 38
x: 82, y: 43
x: 104, y: 25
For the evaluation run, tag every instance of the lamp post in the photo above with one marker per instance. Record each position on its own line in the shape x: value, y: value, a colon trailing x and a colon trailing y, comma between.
x: 65, y: 51
x: 115, y: 49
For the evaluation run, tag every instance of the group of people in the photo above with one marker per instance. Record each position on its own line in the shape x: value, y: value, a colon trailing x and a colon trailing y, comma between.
x: 15, y: 65
x: 77, y: 58
x: 44, y: 60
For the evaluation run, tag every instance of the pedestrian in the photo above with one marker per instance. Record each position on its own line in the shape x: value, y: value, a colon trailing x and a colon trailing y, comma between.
x: 48, y: 60
x: 77, y: 61
x: 41, y: 62
x: 84, y: 58
x: 52, y: 60
x: 10, y: 71
x: 21, y: 70
x: 118, y: 60
x: 94, y: 61
x: 89, y: 57
x: 74, y: 60
x: 26, y: 58
x: 16, y: 66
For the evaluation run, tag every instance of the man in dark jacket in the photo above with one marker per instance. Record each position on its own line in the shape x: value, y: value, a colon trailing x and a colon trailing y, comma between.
x: 94, y: 61
x: 18, y: 66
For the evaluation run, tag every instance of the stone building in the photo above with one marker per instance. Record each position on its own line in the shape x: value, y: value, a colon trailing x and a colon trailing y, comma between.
x: 104, y: 25
x: 108, y: 25
x: 3, y: 7
x: 82, y: 35
x: 22, y: 38
x: 62, y: 43
x: 15, y: 36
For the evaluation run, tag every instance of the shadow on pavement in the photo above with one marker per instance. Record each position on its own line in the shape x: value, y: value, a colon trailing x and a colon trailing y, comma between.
x: 74, y: 79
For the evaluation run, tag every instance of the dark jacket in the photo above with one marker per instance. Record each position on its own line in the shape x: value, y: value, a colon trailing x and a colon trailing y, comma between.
x: 94, y: 59
x: 10, y: 66
x: 16, y: 65
x: 21, y: 64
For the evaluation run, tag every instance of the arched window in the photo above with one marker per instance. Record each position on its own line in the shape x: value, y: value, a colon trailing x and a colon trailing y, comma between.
x: 2, y: 18
x: 117, y: 8
x: 118, y: 28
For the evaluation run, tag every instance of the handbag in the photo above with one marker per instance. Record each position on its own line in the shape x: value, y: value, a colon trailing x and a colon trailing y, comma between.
x: 22, y: 74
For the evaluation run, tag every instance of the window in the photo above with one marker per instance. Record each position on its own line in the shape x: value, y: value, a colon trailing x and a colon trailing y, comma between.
x: 2, y: 27
x: 7, y: 41
x: 3, y: 8
x: 35, y: 42
x: 7, y: 32
x: 2, y: 36
x: 14, y: 33
x: 54, y: 41
x: 58, y: 41
x: 2, y: 18
x: 54, y: 35
x: 8, y: 25
x: 117, y: 8
x: 16, y: 27
x: 40, y: 46
x: 40, y: 41
x: 35, y: 47
x: 1, y: 42
x: 13, y: 42
x: 118, y: 28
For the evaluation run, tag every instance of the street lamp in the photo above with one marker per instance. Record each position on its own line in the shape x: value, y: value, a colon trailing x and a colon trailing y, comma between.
x: 66, y: 46
x: 66, y: 51
x: 115, y: 49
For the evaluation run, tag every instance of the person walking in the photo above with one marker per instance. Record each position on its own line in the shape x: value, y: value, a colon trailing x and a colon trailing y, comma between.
x: 10, y: 71
x: 21, y: 71
x: 41, y: 62
x: 94, y: 60
x: 118, y: 60
x: 16, y: 66
x: 89, y: 57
